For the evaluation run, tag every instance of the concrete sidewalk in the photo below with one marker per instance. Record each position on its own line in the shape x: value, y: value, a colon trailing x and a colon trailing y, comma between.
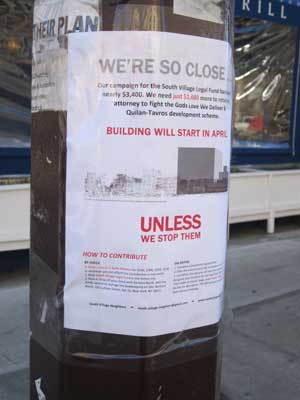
x: 262, y: 346
x: 14, y: 333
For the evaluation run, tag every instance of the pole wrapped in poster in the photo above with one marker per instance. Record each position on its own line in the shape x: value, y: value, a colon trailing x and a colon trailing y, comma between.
x: 130, y: 173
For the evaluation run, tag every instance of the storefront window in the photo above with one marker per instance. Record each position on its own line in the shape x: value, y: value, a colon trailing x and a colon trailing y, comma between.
x: 265, y: 55
x: 15, y: 73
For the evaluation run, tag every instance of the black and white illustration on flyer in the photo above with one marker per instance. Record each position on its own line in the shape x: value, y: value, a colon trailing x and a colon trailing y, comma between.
x: 148, y: 155
x: 199, y: 170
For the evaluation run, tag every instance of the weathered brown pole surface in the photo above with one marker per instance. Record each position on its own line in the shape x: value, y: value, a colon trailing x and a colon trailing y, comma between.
x: 75, y: 364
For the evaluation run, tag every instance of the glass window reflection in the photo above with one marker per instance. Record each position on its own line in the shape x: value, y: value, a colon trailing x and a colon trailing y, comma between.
x: 15, y: 73
x: 265, y: 55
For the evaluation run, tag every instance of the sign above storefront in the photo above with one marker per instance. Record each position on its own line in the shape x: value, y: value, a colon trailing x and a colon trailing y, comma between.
x: 284, y: 12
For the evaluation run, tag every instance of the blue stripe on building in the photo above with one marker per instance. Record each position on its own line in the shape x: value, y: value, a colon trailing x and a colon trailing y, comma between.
x: 282, y: 11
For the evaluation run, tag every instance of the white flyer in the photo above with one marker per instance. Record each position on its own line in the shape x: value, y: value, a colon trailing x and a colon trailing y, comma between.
x: 207, y: 10
x: 53, y: 21
x: 148, y: 156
